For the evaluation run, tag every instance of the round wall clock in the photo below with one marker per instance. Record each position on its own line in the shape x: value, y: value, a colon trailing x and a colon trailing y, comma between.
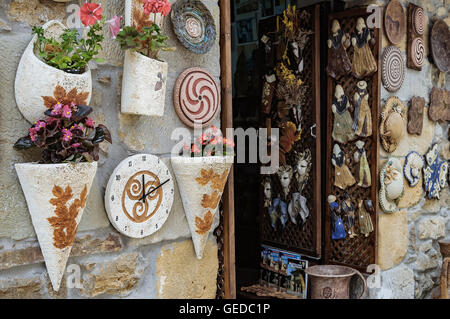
x: 139, y: 195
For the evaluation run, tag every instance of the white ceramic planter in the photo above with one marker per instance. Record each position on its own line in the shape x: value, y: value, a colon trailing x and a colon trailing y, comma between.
x: 201, y: 181
x: 35, y: 79
x: 53, y: 191
x: 143, y: 85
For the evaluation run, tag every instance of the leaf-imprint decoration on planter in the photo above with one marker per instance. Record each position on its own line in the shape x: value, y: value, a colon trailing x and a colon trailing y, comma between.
x: 60, y: 95
x: 204, y: 224
x: 64, y: 224
x: 218, y: 181
x: 206, y: 176
x: 211, y: 201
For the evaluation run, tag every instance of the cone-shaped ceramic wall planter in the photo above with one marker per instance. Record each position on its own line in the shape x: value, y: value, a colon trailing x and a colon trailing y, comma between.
x: 143, y: 85
x: 56, y: 195
x: 36, y: 80
x: 201, y: 181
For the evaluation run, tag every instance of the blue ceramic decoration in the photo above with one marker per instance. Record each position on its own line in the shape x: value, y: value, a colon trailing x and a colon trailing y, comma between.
x: 194, y: 25
x: 435, y: 173
x: 338, y: 228
x: 278, y: 210
x: 414, y: 164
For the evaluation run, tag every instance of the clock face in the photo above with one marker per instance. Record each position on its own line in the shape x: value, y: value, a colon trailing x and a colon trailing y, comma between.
x: 139, y: 195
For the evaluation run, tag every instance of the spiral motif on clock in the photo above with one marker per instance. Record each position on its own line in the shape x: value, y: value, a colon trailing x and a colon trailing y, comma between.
x: 419, y: 21
x: 418, y: 52
x: 393, y: 67
x: 196, y: 97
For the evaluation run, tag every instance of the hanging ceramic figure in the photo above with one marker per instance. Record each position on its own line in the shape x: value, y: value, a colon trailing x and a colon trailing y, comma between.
x: 365, y: 221
x: 349, y: 209
x: 342, y: 126
x: 302, y: 168
x: 337, y: 226
x: 392, y: 187
x: 267, y: 187
x: 298, y: 210
x: 339, y: 63
x: 413, y: 168
x: 435, y: 173
x: 285, y: 175
x: 278, y: 213
x: 363, y: 175
x: 343, y: 178
x: 362, y: 123
x: 364, y: 63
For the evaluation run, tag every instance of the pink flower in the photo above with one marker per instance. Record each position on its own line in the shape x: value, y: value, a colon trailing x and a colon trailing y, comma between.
x: 75, y: 145
x: 57, y: 109
x: 114, y: 26
x: 67, y: 135
x: 195, y: 149
x: 90, y: 13
x: 39, y: 124
x: 213, y: 141
x: 67, y: 112
x: 186, y: 147
x: 157, y: 6
x: 77, y: 127
x: 33, y: 134
x: 90, y: 122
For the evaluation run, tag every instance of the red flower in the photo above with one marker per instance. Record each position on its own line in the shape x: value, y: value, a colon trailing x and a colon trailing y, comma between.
x: 90, y: 13
x: 157, y: 6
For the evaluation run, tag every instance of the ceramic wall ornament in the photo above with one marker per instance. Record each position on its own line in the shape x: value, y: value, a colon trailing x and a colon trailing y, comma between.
x: 395, y: 22
x: 298, y: 209
x: 267, y: 190
x: 349, y: 210
x: 363, y: 63
x: 278, y: 213
x: 365, y: 209
x: 440, y: 45
x: 393, y: 69
x: 439, y: 109
x: 337, y: 225
x: 413, y: 168
x: 29, y: 93
x: 342, y: 126
x: 343, y: 178
x: 415, y: 115
x: 338, y: 63
x: 194, y: 25
x: 435, y: 173
x: 56, y: 196
x: 201, y: 181
x: 285, y: 174
x: 393, y: 121
x: 302, y: 168
x: 139, y: 195
x: 416, y: 27
x: 363, y: 175
x: 392, y: 187
x: 268, y: 93
x: 362, y: 123
x: 196, y: 97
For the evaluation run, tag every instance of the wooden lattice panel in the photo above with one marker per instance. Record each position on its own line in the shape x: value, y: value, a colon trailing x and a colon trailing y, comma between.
x: 219, y: 234
x: 357, y: 252
x: 305, y: 238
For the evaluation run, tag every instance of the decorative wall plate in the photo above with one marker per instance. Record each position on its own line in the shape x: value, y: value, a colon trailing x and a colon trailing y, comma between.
x: 415, y: 115
x: 136, y: 210
x: 194, y: 25
x: 393, y: 69
x: 434, y: 173
x: 393, y: 119
x: 440, y: 45
x: 392, y: 186
x: 395, y: 22
x: 196, y: 97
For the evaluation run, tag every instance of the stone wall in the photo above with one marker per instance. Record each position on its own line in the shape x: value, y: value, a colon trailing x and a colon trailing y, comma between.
x: 408, y: 252
x: 159, y: 266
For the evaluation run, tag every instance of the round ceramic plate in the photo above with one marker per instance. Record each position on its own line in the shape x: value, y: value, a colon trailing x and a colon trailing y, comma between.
x: 395, y: 22
x: 194, y: 25
x: 393, y: 69
x: 440, y: 45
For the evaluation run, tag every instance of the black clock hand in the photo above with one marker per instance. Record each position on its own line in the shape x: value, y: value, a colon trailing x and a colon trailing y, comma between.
x: 143, y: 188
x: 160, y: 185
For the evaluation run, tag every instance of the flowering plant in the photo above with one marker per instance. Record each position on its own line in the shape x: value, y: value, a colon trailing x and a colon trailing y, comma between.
x: 210, y: 143
x: 66, y: 134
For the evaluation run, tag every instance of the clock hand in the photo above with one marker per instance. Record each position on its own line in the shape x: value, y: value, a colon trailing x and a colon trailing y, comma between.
x: 143, y: 188
x: 160, y: 185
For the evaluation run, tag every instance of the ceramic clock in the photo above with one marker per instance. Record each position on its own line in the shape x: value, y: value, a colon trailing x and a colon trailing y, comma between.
x: 139, y: 195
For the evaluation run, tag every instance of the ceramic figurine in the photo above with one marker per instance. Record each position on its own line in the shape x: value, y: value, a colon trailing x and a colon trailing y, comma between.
x: 362, y: 123
x: 435, y: 173
x: 302, y: 168
x: 338, y: 63
x: 285, y: 176
x: 413, y: 168
x: 343, y: 178
x: 415, y: 115
x: 363, y: 175
x: 364, y: 63
x: 393, y: 121
x: 337, y: 226
x: 349, y: 209
x: 342, y: 126
x: 392, y: 186
x: 281, y: 209
x: 365, y: 221
x: 298, y: 210
x: 267, y: 186
x: 274, y: 212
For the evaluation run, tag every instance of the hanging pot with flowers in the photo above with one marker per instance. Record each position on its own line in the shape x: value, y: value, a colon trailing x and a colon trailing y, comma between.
x: 202, y: 172
x: 144, y: 75
x: 58, y: 56
x: 56, y: 188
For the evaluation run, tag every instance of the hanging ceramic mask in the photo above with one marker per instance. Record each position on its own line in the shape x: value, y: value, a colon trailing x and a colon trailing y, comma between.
x: 392, y: 186
x: 435, y: 173
x: 285, y: 175
x: 267, y: 188
x: 297, y: 208
x: 194, y: 25
x: 413, y: 168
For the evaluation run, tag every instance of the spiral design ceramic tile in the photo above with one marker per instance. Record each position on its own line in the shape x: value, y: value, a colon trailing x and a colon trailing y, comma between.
x: 393, y: 66
x: 419, y: 21
x: 418, y: 52
x: 196, y: 97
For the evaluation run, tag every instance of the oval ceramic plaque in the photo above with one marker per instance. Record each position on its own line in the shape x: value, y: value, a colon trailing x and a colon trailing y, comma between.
x: 196, y: 97
x: 393, y: 69
x: 395, y: 22
x: 440, y: 45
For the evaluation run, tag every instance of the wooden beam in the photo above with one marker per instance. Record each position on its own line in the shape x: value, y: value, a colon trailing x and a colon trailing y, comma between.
x: 227, y: 122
